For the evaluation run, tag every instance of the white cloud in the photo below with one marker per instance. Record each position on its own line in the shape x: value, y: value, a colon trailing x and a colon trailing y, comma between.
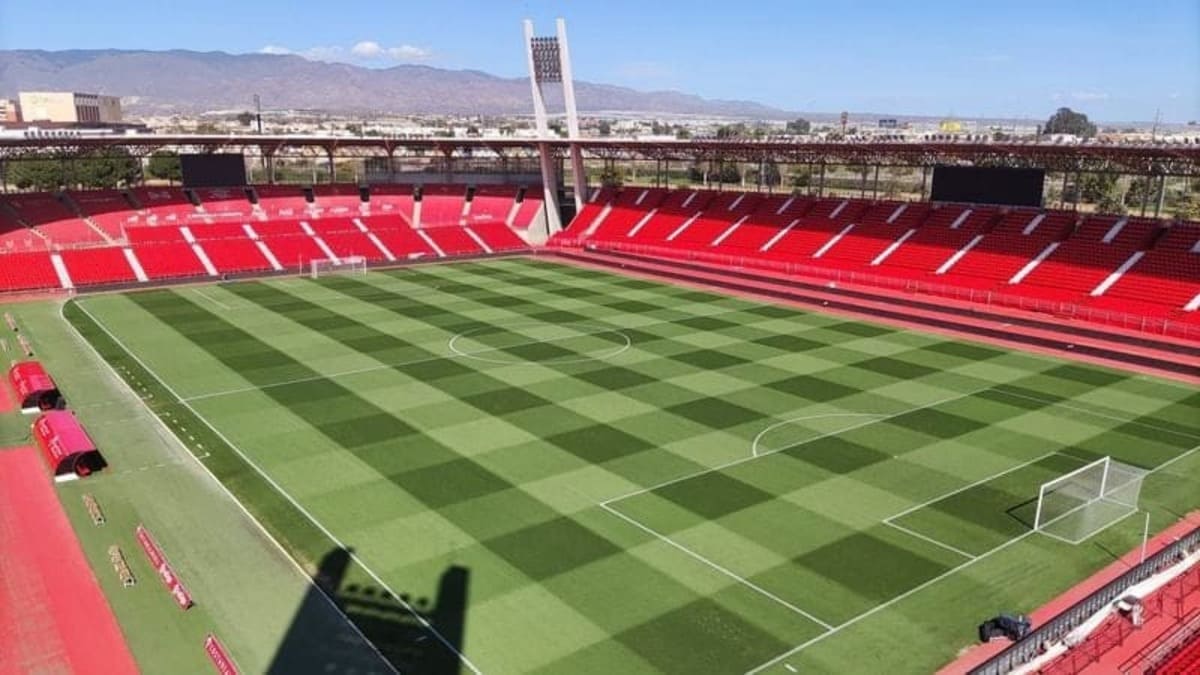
x: 364, y: 52
x: 409, y: 53
x: 367, y: 49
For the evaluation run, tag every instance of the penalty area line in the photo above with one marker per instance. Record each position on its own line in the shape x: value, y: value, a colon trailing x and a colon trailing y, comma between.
x: 716, y: 566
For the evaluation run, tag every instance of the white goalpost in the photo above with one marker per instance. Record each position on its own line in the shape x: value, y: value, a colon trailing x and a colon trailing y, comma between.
x: 1091, y: 498
x: 322, y: 267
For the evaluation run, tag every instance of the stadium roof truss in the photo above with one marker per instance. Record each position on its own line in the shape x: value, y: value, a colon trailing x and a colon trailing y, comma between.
x: 1158, y: 159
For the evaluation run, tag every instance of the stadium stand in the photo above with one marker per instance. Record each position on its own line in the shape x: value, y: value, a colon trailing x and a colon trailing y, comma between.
x: 1106, y: 265
x: 392, y: 200
x: 223, y: 203
x: 97, y: 266
x: 27, y: 271
x: 453, y: 241
x: 51, y: 218
x: 279, y: 201
x: 498, y: 237
x: 1115, y: 266
x: 161, y: 206
x: 491, y: 203
x: 109, y: 210
x: 169, y: 260
x: 442, y: 205
x: 335, y: 201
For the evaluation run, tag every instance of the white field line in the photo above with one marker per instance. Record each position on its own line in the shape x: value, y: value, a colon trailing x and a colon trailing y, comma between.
x: 553, y: 361
x: 211, y: 299
x: 1092, y: 532
x: 935, y: 542
x: 723, y: 570
x: 930, y: 582
x: 758, y: 439
x: 977, y: 483
x: 1095, y: 413
x: 1174, y: 459
x: 413, y: 362
x: 743, y: 460
x: 337, y: 542
x: 880, y: 607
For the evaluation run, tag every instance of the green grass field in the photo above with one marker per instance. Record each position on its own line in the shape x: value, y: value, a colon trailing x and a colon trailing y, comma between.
x: 625, y: 476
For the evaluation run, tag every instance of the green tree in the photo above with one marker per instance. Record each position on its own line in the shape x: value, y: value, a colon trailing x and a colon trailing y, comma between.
x: 682, y: 133
x: 37, y: 173
x: 727, y: 172
x: 1094, y: 187
x: 799, y: 126
x: 604, y: 128
x: 164, y: 165
x: 1140, y: 190
x: 1067, y: 121
x: 802, y: 177
x: 1187, y: 208
x: 104, y: 169
x: 612, y: 177
x: 245, y: 118
x: 354, y: 128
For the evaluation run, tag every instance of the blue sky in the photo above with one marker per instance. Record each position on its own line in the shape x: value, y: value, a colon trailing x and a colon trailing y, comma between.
x: 1019, y: 58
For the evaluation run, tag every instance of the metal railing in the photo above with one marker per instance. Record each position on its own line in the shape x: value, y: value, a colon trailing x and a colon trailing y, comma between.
x: 1054, y: 630
x: 1059, y: 309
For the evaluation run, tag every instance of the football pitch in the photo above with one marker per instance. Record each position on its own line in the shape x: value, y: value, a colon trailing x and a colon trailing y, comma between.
x: 629, y: 476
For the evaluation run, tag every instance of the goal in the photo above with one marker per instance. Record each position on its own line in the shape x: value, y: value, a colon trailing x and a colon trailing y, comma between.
x: 323, y: 267
x: 1091, y: 498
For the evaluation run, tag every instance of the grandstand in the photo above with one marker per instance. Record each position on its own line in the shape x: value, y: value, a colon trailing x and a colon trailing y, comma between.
x: 456, y: 423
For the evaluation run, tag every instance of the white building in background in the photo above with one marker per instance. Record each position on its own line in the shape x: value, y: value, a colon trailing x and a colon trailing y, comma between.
x: 10, y: 111
x: 66, y: 107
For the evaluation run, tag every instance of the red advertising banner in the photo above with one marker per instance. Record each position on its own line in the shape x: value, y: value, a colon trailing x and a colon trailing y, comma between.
x: 163, y: 568
x: 220, y: 657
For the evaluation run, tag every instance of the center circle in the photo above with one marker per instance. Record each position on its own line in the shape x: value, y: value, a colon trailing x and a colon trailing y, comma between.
x: 538, y: 343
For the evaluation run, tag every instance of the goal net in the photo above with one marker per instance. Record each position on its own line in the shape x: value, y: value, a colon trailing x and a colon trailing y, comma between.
x: 323, y: 267
x: 1091, y: 498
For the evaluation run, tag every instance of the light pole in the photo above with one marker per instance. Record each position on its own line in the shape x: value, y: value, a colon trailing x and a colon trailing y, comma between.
x: 258, y: 113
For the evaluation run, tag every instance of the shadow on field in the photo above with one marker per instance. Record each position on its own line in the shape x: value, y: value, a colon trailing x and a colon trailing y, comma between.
x: 319, y: 641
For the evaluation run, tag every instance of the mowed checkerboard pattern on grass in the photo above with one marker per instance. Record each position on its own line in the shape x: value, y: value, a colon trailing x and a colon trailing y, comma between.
x: 644, y: 477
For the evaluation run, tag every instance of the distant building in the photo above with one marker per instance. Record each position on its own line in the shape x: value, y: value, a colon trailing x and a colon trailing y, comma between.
x: 950, y: 126
x: 65, y: 107
x: 10, y: 111
x: 889, y: 123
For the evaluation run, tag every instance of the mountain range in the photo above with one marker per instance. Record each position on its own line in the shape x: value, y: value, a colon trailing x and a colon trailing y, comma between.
x: 157, y: 82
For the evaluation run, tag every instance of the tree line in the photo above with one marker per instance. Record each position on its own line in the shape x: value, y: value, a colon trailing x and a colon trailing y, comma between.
x: 108, y: 168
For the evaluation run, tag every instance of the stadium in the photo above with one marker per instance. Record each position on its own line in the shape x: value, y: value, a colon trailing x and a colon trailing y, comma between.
x: 501, y: 413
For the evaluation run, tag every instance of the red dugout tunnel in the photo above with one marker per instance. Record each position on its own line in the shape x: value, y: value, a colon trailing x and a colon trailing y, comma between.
x: 66, y: 446
x: 34, y: 386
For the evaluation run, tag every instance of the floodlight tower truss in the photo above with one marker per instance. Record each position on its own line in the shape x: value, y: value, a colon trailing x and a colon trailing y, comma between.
x: 549, y: 59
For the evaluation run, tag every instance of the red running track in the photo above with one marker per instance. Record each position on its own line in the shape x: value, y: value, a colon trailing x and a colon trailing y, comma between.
x: 53, y: 616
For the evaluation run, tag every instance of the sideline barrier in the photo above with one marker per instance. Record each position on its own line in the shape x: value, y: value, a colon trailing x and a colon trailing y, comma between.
x: 1054, y: 630
x: 159, y: 562
x: 12, y: 323
x: 25, y: 346
x: 220, y: 658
